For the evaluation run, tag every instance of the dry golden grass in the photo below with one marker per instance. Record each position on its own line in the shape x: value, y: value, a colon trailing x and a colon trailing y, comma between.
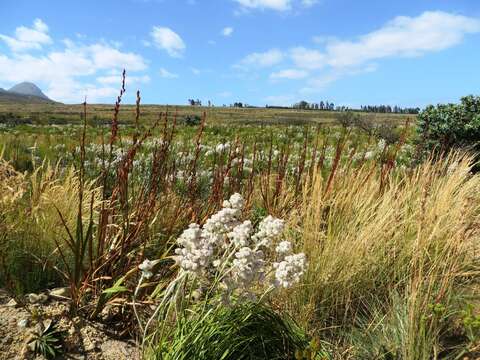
x: 53, y: 192
x: 379, y: 251
x: 12, y: 184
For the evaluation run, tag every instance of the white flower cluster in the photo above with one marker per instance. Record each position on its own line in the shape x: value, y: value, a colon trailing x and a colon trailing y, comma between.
x: 147, y: 268
x: 222, y: 147
x: 284, y: 248
x: 247, y: 267
x: 240, y: 234
x: 290, y: 270
x: 381, y: 145
x: 269, y: 229
x: 228, y: 249
x: 196, y: 249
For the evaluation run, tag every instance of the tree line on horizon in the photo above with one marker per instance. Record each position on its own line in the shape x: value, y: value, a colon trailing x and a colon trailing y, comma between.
x: 330, y: 106
x: 325, y: 106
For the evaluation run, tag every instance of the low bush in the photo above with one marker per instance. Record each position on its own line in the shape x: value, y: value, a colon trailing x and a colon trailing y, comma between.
x: 192, y: 120
x: 447, y: 126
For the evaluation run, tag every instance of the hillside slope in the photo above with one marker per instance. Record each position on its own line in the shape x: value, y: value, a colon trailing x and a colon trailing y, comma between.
x: 7, y: 97
x: 29, y: 89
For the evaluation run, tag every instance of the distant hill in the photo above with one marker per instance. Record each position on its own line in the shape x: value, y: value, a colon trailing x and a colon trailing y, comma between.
x: 28, y: 88
x: 24, y: 93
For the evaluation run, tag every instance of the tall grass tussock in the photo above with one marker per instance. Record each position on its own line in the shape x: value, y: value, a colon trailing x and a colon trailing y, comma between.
x: 394, y: 264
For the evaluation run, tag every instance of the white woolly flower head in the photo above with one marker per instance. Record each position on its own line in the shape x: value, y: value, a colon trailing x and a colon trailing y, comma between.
x: 235, y: 202
x: 222, y: 147
x: 289, y: 271
x: 191, y: 236
x: 240, y: 235
x: 284, y: 248
x: 223, y: 221
x: 381, y: 144
x: 196, y: 249
x: 146, y: 267
x: 269, y: 229
x: 247, y: 266
x: 369, y: 155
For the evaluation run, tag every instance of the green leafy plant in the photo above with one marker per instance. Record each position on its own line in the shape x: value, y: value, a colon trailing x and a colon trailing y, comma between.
x: 192, y: 120
x: 471, y: 323
x: 247, y: 331
x: 46, y: 340
x: 448, y: 126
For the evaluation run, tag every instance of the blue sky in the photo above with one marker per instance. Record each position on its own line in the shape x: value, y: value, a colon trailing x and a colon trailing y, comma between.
x: 409, y: 53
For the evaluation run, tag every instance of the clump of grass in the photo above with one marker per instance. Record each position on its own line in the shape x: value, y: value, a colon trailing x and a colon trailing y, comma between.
x: 408, y: 241
x: 248, y: 331
x: 34, y: 227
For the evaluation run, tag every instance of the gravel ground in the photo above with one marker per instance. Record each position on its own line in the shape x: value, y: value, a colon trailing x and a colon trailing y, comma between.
x: 83, y: 339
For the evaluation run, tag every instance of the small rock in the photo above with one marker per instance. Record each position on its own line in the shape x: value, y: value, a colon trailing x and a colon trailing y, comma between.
x: 60, y: 293
x: 42, y: 298
x: 107, y: 313
x: 37, y: 298
x: 11, y: 303
x: 33, y: 298
x: 92, y: 346
x: 22, y: 323
x: 78, y: 356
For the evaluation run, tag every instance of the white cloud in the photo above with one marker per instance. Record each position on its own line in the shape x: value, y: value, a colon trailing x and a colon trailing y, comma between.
x: 228, y: 31
x: 332, y: 59
x: 164, y: 73
x: 105, y: 57
x: 431, y: 31
x: 264, y: 59
x: 308, y: 58
x: 322, y: 81
x: 279, y: 5
x: 117, y: 79
x: 292, y: 74
x: 28, y: 38
x: 166, y: 39
x: 402, y: 37
x: 70, y: 90
x: 39, y: 25
x: 77, y: 70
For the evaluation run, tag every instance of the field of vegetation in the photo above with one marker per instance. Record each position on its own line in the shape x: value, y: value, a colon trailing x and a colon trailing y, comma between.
x: 60, y: 114
x: 217, y: 233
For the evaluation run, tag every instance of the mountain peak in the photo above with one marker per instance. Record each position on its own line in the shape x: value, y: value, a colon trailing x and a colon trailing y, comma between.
x: 28, y: 88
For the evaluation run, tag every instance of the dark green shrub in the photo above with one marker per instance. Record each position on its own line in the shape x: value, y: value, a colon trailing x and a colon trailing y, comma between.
x: 445, y: 127
x: 192, y: 120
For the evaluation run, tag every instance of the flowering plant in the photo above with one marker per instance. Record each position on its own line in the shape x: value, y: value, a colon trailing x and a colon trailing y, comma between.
x: 232, y: 257
x: 225, y: 259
